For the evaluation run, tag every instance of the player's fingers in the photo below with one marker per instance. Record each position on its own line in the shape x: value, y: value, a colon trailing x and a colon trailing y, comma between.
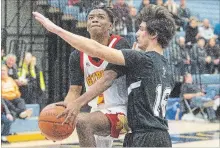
x: 67, y: 119
x: 61, y: 104
x: 37, y: 14
x: 63, y: 113
x: 72, y: 120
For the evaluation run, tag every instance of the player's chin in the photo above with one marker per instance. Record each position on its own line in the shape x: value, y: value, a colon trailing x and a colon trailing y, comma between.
x: 97, y: 31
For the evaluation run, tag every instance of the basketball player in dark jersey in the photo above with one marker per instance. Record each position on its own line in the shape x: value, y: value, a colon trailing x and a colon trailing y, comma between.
x: 149, y: 79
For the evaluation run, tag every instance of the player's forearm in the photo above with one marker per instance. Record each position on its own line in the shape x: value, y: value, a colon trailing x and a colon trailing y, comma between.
x: 73, y: 93
x: 99, y: 87
x: 92, y: 47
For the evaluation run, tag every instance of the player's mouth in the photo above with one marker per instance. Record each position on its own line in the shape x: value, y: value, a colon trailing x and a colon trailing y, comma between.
x: 95, y: 26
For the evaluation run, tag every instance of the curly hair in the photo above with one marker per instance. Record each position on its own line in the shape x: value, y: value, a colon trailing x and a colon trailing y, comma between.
x: 159, y: 22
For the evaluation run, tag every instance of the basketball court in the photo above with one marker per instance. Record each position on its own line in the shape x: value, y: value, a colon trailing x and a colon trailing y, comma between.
x: 183, y: 134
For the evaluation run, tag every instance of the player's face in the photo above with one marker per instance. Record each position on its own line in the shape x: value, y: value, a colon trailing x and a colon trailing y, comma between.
x: 98, y: 22
x: 142, y: 36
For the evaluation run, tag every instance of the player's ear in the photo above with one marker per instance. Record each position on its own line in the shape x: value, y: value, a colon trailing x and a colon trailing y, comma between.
x: 153, y: 36
x: 110, y: 26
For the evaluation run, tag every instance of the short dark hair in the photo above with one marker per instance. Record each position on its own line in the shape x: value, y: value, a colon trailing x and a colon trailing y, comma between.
x: 159, y: 22
x: 108, y: 10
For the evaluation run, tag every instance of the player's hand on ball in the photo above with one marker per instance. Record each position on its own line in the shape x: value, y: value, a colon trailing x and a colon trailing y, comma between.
x: 71, y: 112
x: 62, y: 103
x: 50, y: 26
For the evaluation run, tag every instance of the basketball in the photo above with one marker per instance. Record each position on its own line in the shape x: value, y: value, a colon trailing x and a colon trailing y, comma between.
x: 51, y: 127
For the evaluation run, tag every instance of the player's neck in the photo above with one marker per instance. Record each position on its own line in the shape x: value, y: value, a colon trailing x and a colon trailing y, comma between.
x: 157, y: 48
x: 102, y: 39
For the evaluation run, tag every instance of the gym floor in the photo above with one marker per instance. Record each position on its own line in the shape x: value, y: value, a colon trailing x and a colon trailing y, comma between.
x: 183, y: 134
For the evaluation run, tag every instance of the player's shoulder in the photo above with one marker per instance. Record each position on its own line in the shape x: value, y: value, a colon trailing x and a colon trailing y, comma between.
x: 121, y: 42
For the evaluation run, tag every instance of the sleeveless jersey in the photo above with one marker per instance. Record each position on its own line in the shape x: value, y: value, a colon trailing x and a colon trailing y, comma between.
x: 116, y: 95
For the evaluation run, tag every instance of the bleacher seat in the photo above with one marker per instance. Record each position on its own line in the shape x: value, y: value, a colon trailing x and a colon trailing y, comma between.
x: 72, y: 10
x: 171, y: 109
x: 29, y: 124
x: 206, y: 79
x: 61, y: 4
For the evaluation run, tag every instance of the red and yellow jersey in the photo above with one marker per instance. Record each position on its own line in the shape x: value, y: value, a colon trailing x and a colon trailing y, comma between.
x: 94, y: 70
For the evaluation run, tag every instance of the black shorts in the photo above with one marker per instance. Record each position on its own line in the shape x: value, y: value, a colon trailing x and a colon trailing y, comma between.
x: 157, y: 138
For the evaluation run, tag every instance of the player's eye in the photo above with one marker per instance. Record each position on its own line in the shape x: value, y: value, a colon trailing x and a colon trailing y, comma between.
x: 90, y: 17
x: 102, y: 17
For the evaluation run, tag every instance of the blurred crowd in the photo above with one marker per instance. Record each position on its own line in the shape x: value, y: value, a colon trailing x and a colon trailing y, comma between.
x: 196, y: 48
x: 20, y: 85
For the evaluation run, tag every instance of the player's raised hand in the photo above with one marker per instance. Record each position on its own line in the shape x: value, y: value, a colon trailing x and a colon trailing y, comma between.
x: 50, y: 26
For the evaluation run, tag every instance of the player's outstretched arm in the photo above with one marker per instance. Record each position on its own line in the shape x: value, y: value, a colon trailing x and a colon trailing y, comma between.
x: 83, y: 44
x: 73, y: 108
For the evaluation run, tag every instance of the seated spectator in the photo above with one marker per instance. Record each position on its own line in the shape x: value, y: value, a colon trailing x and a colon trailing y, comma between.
x: 171, y: 6
x: 10, y: 91
x: 121, y: 11
x: 197, y: 98
x: 184, y: 14
x: 181, y: 57
x: 73, y: 2
x: 34, y: 78
x: 199, y: 57
x: 159, y: 3
x: 206, y: 31
x: 132, y: 25
x: 6, y: 120
x: 10, y: 62
x: 191, y: 32
x: 144, y: 3
x: 2, y: 55
x: 213, y: 51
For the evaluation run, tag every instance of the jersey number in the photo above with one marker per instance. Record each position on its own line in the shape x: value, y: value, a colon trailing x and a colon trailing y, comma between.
x: 161, y: 100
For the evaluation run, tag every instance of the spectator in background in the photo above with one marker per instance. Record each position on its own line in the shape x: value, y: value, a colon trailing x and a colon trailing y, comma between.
x: 181, y: 57
x: 191, y: 32
x: 199, y: 57
x: 133, y: 24
x: 10, y: 91
x: 196, y: 97
x: 10, y: 62
x: 144, y: 3
x: 159, y: 3
x: 121, y: 10
x: 213, y: 51
x: 184, y: 14
x: 6, y: 120
x: 171, y: 6
x: 73, y: 2
x: 35, y: 81
x: 206, y: 31
x: 2, y: 55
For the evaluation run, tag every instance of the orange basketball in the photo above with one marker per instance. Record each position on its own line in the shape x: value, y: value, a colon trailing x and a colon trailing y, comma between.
x: 51, y: 127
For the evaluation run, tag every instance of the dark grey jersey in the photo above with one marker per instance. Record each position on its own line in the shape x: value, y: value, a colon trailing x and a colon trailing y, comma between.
x: 149, y: 82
